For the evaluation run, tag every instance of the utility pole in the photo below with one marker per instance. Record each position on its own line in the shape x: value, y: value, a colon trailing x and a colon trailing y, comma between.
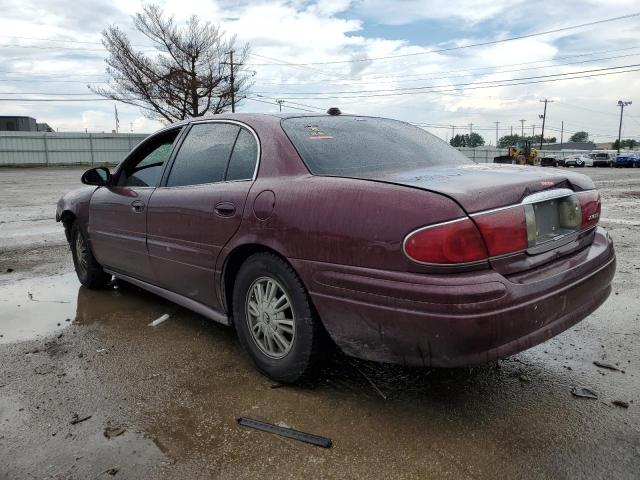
x: 621, y: 104
x: 512, y: 130
x: 522, y: 125
x: 543, y: 117
x: 233, y: 87
x: 497, y: 123
x: 561, y: 133
x: 131, y: 124
x: 470, y: 129
x: 453, y: 131
x: 533, y: 130
x: 280, y: 102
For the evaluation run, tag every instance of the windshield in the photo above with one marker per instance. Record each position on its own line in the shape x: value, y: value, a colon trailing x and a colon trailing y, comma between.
x: 355, y: 146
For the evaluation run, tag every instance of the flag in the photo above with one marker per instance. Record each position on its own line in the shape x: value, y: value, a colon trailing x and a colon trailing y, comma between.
x: 115, y: 108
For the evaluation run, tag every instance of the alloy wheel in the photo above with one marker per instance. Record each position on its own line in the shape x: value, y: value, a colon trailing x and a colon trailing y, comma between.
x: 270, y: 317
x: 81, y: 255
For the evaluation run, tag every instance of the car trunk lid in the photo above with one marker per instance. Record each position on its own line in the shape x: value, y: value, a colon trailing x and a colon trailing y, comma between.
x: 484, y: 187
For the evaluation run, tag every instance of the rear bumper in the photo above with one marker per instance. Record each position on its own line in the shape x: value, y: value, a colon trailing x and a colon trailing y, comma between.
x: 457, y: 319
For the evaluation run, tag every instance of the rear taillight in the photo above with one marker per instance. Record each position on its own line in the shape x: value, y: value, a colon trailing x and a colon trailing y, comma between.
x: 534, y: 227
x: 590, y: 206
x: 449, y: 243
x: 504, y: 231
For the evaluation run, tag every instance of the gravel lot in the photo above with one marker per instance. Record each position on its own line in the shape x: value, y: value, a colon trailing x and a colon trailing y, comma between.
x: 89, y: 390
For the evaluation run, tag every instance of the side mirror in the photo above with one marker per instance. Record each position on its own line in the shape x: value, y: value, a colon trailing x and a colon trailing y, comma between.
x: 99, y: 176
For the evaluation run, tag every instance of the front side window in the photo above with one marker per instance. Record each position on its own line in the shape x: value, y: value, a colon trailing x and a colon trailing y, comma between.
x: 204, y: 154
x: 361, y: 146
x: 145, y: 168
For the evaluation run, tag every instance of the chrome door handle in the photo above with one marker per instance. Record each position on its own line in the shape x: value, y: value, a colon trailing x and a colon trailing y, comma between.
x: 225, y: 209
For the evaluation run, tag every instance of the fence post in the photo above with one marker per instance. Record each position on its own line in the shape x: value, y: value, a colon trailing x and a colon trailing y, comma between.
x: 46, y: 149
x: 91, y: 148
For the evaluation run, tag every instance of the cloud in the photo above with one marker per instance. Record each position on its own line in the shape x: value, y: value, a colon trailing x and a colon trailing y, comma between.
x: 303, y: 31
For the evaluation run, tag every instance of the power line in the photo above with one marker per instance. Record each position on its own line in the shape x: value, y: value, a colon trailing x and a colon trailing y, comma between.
x: 275, y: 104
x: 471, y: 45
x: 404, y: 80
x: 407, y: 90
x: 563, y: 57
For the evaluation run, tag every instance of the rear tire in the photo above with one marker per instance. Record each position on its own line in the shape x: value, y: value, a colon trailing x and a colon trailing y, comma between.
x: 275, y: 320
x: 89, y: 271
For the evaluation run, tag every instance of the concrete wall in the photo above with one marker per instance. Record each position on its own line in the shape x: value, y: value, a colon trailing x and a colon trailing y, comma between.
x: 39, y: 148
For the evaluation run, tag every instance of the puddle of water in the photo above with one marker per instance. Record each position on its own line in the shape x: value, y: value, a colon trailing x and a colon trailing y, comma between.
x: 37, y: 306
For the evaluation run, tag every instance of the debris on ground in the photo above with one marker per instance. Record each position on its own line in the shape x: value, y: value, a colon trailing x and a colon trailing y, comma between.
x: 78, y: 419
x: 620, y: 403
x: 101, y: 350
x: 44, y: 369
x: 9, y: 270
x: 111, y: 471
x: 159, y: 320
x: 524, y: 378
x: 375, y: 387
x: 584, y: 392
x: 111, y: 432
x: 608, y: 366
x: 316, y: 440
x: 277, y: 385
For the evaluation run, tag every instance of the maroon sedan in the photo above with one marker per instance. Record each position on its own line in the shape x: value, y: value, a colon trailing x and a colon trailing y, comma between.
x: 366, y: 229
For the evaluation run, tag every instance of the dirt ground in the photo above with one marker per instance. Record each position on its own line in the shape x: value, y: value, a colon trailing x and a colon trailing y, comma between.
x: 89, y: 390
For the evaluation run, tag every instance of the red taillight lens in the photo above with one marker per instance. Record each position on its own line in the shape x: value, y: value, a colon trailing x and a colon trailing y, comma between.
x: 447, y: 243
x: 590, y: 206
x: 504, y: 231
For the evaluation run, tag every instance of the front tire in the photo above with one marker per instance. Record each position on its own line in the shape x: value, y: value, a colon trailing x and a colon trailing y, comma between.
x: 275, y: 320
x: 89, y: 271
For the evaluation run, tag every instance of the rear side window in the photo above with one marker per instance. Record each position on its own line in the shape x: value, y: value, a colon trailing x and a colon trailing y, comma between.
x: 244, y: 157
x: 203, y: 155
x: 357, y: 146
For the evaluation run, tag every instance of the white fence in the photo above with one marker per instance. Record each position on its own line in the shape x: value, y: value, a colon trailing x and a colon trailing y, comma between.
x: 39, y: 148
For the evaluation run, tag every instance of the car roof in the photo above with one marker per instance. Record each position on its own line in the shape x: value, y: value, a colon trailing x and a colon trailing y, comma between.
x: 244, y: 117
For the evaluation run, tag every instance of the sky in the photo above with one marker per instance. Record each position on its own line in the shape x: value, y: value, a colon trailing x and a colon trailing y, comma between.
x: 53, y: 48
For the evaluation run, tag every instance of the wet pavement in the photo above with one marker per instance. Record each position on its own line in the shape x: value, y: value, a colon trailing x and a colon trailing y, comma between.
x: 162, y: 401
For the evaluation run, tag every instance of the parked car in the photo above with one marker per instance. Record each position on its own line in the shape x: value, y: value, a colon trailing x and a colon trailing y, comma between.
x: 551, y: 162
x: 603, y: 159
x: 627, y: 160
x: 579, y: 160
x: 367, y: 232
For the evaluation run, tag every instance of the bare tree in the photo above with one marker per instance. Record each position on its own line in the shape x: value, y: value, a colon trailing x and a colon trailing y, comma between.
x: 191, y: 75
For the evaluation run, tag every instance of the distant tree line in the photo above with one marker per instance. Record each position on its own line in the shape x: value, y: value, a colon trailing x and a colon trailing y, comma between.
x: 467, y: 140
x: 626, y: 143
x: 509, y: 140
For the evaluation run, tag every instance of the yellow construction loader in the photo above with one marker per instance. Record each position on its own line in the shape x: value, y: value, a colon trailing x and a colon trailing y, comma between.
x: 520, y: 154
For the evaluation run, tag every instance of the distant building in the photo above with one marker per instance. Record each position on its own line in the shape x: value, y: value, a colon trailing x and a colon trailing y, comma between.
x: 22, y: 124
x: 569, y: 146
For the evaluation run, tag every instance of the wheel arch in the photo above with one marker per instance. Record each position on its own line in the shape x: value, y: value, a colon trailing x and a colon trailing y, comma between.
x: 67, y: 217
x: 232, y: 264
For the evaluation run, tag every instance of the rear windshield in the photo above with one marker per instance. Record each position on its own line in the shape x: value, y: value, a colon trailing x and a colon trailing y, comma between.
x: 353, y: 146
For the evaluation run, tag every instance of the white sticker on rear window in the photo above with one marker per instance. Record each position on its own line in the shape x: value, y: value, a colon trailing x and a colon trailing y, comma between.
x: 316, y: 134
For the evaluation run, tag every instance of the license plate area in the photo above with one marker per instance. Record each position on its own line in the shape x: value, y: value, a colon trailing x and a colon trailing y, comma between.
x: 552, y: 223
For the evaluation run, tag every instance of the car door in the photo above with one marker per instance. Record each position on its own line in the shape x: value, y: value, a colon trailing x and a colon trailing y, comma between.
x: 199, y: 206
x: 118, y: 213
